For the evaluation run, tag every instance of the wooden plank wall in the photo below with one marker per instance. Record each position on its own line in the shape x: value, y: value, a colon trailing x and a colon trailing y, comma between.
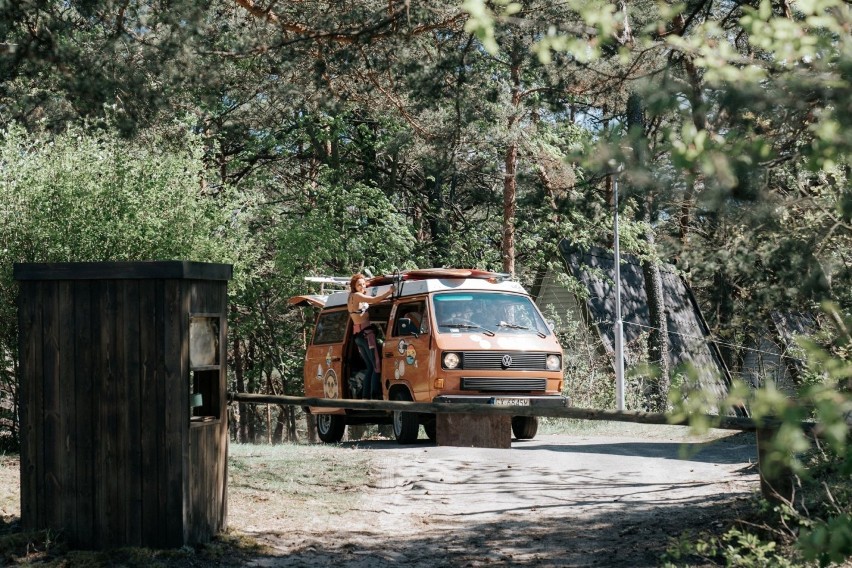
x: 207, y: 514
x: 84, y: 360
x: 108, y: 457
x: 151, y: 436
x: 175, y: 413
x: 29, y: 348
x: 209, y: 441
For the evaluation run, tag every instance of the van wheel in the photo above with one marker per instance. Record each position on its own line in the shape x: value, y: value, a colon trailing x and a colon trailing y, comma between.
x: 330, y: 428
x: 430, y: 426
x: 524, y: 427
x: 405, y: 424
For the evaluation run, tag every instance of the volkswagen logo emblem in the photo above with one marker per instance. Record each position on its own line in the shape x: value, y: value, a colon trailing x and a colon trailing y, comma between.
x: 507, y: 361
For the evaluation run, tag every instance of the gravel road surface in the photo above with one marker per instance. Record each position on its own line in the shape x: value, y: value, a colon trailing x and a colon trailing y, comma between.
x: 557, y: 500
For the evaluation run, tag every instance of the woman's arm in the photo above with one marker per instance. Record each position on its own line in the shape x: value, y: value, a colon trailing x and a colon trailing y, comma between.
x: 364, y: 298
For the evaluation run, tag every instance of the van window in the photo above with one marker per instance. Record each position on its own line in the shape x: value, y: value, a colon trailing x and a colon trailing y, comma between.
x: 416, y: 313
x: 331, y: 327
x: 499, y: 312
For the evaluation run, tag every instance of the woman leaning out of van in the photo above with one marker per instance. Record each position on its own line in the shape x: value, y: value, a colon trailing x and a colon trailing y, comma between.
x: 365, y: 335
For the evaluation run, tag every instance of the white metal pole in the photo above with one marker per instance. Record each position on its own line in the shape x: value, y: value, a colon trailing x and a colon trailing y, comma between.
x: 619, y: 327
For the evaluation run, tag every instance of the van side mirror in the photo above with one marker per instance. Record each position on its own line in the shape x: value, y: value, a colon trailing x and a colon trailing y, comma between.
x: 406, y: 327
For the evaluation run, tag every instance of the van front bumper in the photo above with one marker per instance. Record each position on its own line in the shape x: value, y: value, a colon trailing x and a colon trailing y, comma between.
x: 539, y: 401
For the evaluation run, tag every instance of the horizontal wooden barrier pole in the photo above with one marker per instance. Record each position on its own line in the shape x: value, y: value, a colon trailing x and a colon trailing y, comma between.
x: 723, y: 422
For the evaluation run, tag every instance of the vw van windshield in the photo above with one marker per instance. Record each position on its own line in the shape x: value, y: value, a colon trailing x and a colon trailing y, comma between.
x: 487, y: 312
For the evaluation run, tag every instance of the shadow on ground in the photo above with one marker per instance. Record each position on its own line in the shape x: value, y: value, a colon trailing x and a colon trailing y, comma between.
x: 728, y: 450
x: 630, y: 539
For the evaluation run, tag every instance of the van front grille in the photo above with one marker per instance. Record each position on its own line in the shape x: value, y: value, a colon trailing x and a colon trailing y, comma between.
x: 502, y: 385
x: 496, y: 361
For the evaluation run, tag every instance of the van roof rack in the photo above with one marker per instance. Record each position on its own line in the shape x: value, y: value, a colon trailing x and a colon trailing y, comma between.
x: 443, y: 273
x: 335, y: 282
x: 342, y: 280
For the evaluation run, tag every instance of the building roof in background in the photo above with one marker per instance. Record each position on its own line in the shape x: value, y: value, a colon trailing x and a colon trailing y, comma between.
x: 689, y: 337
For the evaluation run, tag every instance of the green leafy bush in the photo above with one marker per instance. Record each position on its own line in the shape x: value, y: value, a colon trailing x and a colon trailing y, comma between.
x: 79, y: 196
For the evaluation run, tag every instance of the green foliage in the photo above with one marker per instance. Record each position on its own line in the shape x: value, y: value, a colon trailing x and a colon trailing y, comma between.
x: 823, y: 464
x: 818, y: 530
x: 828, y: 541
x: 333, y: 228
x: 357, y: 227
x: 81, y: 197
x: 588, y: 378
x: 95, y: 197
x: 737, y: 547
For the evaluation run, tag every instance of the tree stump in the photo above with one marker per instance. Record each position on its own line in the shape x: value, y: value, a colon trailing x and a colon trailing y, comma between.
x: 777, y: 483
x: 473, y: 430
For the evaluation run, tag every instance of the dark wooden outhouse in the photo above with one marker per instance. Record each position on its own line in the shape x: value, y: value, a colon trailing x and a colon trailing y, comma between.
x: 123, y: 404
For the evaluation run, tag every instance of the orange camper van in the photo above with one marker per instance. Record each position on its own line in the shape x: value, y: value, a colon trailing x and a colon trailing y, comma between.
x: 446, y: 335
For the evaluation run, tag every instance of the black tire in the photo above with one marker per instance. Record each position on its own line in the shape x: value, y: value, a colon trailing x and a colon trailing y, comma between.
x: 430, y: 426
x: 406, y: 426
x: 330, y: 427
x: 524, y: 427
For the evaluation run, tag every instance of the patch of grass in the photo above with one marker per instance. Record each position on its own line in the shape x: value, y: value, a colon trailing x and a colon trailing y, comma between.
x: 299, y: 470
x: 285, y: 481
x: 574, y: 427
x: 10, y: 475
x: 280, y: 483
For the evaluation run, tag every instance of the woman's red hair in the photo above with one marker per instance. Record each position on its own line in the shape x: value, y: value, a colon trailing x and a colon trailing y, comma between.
x: 353, y: 280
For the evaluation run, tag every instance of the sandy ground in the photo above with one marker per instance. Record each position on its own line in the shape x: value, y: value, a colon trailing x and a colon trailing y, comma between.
x: 557, y: 500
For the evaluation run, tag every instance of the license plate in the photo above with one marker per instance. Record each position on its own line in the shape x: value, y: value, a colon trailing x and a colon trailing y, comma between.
x: 511, y: 402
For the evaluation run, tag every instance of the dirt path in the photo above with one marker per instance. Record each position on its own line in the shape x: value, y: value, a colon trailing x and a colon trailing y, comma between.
x: 555, y: 501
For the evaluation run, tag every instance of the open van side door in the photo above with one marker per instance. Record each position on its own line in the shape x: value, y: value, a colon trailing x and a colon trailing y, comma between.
x: 407, y: 353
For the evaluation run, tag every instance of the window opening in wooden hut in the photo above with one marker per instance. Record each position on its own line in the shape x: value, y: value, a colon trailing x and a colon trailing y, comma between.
x: 204, y: 364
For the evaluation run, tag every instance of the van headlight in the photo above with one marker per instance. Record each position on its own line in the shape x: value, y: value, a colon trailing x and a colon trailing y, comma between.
x: 451, y: 360
x: 554, y: 362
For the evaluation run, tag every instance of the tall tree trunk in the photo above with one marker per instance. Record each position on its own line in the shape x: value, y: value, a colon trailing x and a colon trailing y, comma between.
x: 438, y: 225
x: 510, y: 176
x: 270, y: 388
x: 655, y: 391
x: 695, y: 184
x: 251, y: 416
x: 509, y: 206
x: 291, y: 424
x: 724, y: 293
x: 242, y: 412
x: 280, y: 421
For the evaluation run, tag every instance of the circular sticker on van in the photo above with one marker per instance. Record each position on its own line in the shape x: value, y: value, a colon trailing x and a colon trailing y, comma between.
x: 411, y: 355
x: 329, y: 384
x: 401, y: 347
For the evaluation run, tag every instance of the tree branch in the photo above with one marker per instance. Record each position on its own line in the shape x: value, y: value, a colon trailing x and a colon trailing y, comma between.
x: 268, y: 15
